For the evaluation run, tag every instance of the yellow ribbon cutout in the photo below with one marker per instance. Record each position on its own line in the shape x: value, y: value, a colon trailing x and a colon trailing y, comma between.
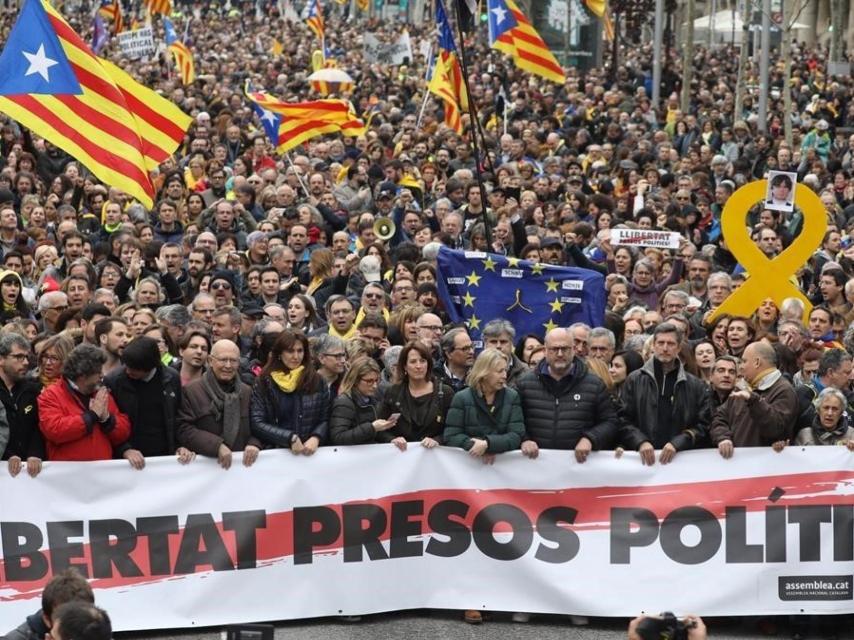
x: 768, y: 278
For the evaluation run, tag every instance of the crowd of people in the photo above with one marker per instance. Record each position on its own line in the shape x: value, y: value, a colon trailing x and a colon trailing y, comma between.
x: 254, y: 307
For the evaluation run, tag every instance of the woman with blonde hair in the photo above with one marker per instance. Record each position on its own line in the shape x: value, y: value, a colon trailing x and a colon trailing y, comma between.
x: 319, y: 270
x: 599, y: 369
x: 51, y: 355
x: 354, y: 418
x: 485, y: 418
x: 46, y: 256
x: 401, y: 323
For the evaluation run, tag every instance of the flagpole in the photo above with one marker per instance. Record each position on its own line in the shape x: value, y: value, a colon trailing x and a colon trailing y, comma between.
x: 475, y: 127
x: 426, y: 91
x: 296, y: 173
x: 423, y: 108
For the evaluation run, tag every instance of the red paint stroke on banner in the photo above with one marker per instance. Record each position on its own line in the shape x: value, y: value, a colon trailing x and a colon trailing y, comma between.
x: 275, y: 541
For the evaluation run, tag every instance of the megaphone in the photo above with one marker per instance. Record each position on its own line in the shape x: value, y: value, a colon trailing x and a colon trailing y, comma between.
x: 384, y: 228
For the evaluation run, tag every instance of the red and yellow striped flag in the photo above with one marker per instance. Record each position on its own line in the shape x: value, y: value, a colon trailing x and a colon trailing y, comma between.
x: 306, y: 120
x: 163, y: 7
x: 71, y: 99
x: 184, y: 61
x: 314, y: 20
x: 329, y: 110
x: 111, y: 12
x: 294, y: 132
x: 440, y: 85
x: 161, y: 124
x: 511, y: 33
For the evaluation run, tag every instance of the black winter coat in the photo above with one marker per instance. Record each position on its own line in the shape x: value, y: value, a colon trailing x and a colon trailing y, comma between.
x: 22, y: 413
x: 559, y: 413
x: 397, y: 399
x: 274, y: 430
x: 125, y: 395
x: 639, y: 409
x: 353, y: 423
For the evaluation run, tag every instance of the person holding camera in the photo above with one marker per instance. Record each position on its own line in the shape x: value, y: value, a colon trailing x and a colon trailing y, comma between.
x: 667, y: 627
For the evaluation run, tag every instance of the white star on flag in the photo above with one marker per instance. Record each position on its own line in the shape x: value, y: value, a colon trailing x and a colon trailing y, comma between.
x: 500, y: 14
x: 39, y: 63
x: 269, y: 117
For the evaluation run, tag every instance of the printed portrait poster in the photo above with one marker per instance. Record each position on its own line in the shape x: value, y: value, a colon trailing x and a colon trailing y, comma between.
x: 781, y: 191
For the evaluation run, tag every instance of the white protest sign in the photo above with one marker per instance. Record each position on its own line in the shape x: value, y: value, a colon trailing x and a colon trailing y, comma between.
x: 387, y: 53
x: 646, y: 238
x: 137, y: 44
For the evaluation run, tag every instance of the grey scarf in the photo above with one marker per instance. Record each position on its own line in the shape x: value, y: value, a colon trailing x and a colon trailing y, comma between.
x: 226, y: 406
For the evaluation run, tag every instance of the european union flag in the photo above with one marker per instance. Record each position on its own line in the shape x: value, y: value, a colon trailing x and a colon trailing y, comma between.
x: 477, y: 287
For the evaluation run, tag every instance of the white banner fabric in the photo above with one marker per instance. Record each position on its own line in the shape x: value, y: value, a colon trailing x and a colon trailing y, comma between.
x: 366, y: 529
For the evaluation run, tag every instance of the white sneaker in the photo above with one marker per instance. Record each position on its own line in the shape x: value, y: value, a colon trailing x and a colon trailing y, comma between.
x: 520, y: 616
x: 579, y: 621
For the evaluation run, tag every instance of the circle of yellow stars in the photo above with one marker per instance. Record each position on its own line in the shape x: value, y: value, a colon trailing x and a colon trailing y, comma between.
x: 473, y: 279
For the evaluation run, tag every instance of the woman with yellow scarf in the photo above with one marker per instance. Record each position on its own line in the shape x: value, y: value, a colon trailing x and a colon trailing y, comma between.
x: 290, y: 401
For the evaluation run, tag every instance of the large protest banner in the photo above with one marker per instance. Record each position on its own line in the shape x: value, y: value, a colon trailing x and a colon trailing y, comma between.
x: 356, y: 530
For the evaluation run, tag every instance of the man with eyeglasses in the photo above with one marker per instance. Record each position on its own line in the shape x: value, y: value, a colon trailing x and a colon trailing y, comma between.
x: 19, y: 427
x: 565, y: 405
x: 222, y: 289
x: 217, y: 190
x: 373, y: 301
x: 51, y: 305
x: 458, y: 358
x: 331, y: 359
x: 501, y: 334
x: 214, y: 417
x: 429, y: 330
x: 402, y: 292
x: 341, y: 315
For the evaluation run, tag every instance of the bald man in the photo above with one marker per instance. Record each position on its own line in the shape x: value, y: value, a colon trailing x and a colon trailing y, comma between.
x: 214, y: 417
x: 429, y: 328
x: 762, y: 411
x: 565, y: 405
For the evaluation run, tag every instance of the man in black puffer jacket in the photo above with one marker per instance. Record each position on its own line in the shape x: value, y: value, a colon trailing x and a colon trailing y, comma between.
x: 662, y: 405
x: 565, y: 406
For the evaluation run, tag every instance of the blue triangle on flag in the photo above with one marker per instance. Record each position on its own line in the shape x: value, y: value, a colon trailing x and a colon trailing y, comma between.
x: 33, y: 61
x: 501, y: 19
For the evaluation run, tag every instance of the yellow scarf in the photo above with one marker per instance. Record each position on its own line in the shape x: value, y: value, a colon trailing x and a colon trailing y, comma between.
x: 315, y: 283
x: 287, y: 382
x: 759, y: 377
x: 343, y: 336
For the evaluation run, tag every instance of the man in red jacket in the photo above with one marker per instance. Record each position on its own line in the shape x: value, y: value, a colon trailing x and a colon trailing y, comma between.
x: 77, y: 415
